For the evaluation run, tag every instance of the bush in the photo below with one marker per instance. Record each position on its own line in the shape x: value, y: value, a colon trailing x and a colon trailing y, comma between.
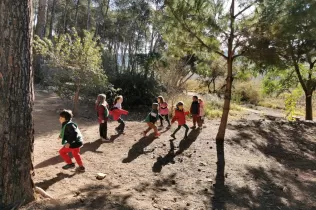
x: 246, y: 93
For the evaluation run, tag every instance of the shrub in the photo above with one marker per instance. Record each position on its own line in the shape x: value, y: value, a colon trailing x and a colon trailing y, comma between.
x: 246, y: 93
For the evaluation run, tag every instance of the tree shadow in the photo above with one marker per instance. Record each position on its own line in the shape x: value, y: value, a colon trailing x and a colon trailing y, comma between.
x: 87, y: 147
x: 169, y: 158
x: 138, y: 148
x: 47, y: 183
x: 287, y: 187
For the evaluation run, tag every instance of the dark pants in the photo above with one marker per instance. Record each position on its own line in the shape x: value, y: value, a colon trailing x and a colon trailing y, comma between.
x: 179, y: 127
x: 103, y: 129
x: 164, y: 116
x: 121, y: 127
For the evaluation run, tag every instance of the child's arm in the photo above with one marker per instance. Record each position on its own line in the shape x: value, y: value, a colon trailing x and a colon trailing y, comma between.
x: 186, y: 113
x: 122, y: 111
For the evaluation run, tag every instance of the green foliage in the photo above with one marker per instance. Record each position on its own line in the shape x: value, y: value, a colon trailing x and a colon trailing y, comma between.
x: 76, y: 62
x: 291, y: 103
x: 246, y: 92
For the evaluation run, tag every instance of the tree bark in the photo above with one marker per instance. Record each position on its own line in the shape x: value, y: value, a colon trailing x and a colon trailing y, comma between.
x: 16, y: 104
x: 88, y: 18
x: 308, y: 106
x: 220, y: 174
x: 65, y: 17
x: 76, y: 16
x: 52, y: 18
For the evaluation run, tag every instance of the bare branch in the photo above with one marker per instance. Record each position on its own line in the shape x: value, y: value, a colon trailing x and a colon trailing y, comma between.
x: 243, y: 10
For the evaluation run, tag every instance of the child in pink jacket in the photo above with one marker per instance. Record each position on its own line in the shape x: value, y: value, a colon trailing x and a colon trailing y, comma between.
x: 163, y: 111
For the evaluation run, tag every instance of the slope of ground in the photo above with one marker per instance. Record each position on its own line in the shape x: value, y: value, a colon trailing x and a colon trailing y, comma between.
x: 269, y: 165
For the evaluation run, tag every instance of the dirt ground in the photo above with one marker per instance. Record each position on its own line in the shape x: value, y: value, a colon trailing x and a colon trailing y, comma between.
x: 269, y: 165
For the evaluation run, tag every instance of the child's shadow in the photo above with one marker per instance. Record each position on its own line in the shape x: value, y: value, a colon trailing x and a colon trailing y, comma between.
x: 91, y: 146
x: 169, y: 158
x: 47, y: 183
x: 138, y: 148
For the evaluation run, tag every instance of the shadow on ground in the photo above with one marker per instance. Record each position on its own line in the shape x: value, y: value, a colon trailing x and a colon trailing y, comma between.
x: 291, y: 186
x: 87, y: 147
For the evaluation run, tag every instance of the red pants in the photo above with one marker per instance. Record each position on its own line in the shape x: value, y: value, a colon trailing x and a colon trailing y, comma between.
x: 75, y: 153
x: 195, y: 119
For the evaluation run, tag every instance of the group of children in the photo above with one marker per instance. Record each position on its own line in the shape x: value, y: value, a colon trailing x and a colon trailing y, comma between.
x: 72, y: 140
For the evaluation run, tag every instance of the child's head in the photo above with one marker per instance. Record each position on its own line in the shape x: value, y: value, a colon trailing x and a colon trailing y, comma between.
x: 154, y: 106
x: 160, y: 99
x: 118, y: 99
x: 101, y: 99
x: 180, y: 105
x: 195, y: 98
x: 200, y: 100
x: 65, y: 116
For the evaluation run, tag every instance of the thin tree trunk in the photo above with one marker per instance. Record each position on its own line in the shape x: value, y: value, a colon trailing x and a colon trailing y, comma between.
x: 16, y: 104
x: 65, y: 16
x: 76, y: 15
x: 40, y: 31
x: 52, y: 19
x: 76, y: 100
x: 220, y: 175
x: 88, y: 18
x: 308, y: 106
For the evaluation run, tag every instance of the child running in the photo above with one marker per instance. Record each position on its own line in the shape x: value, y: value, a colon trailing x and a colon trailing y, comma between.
x: 202, y: 113
x: 117, y: 111
x: 163, y: 111
x: 151, y: 119
x: 179, y: 116
x: 195, y: 111
x: 71, y: 140
x: 103, y: 115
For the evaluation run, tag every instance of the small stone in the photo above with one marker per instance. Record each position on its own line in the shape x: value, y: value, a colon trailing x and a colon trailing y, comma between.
x: 226, y: 175
x: 188, y: 204
x: 101, y: 176
x: 207, y: 142
x: 194, y: 151
x: 175, y: 199
x: 173, y: 182
x: 211, y: 147
x: 199, y: 170
x: 202, y: 164
x: 206, y: 190
x: 164, y: 145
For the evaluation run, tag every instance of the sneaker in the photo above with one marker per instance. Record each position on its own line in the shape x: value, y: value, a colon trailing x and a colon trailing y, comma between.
x: 68, y: 166
x: 106, y: 139
x: 173, y: 136
x: 157, y: 134
x: 193, y: 127
x: 81, y: 169
x: 119, y: 130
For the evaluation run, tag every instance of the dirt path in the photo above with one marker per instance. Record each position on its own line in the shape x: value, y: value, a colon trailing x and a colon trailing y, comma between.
x: 269, y: 165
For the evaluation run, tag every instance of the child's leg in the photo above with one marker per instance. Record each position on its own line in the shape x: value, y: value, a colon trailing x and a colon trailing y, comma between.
x: 194, y: 119
x: 64, y: 154
x: 186, y: 130
x: 122, y: 124
x: 100, y: 130
x: 167, y: 119
x: 76, y: 153
x: 104, y: 127
x: 199, y: 121
x: 161, y: 120
x: 149, y: 128
x: 175, y: 131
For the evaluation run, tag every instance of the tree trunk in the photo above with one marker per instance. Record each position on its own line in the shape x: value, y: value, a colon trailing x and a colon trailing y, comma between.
x: 40, y: 31
x: 76, y: 100
x: 52, y: 19
x: 88, y: 18
x: 220, y: 174
x: 308, y: 106
x: 16, y: 104
x: 76, y: 15
x: 65, y: 17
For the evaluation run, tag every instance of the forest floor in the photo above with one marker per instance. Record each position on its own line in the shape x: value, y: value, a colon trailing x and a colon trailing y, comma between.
x: 269, y: 165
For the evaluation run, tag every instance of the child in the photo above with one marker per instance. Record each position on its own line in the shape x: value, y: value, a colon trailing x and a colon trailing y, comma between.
x: 179, y: 116
x: 71, y: 138
x: 195, y: 111
x: 151, y: 119
x: 163, y: 111
x: 103, y: 115
x: 202, y: 113
x: 117, y: 111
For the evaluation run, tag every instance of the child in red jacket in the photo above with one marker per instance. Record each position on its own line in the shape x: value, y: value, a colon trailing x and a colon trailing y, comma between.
x: 117, y: 111
x: 179, y: 116
x: 103, y: 115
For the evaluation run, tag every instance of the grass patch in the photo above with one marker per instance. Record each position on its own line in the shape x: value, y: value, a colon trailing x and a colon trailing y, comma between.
x: 196, y: 86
